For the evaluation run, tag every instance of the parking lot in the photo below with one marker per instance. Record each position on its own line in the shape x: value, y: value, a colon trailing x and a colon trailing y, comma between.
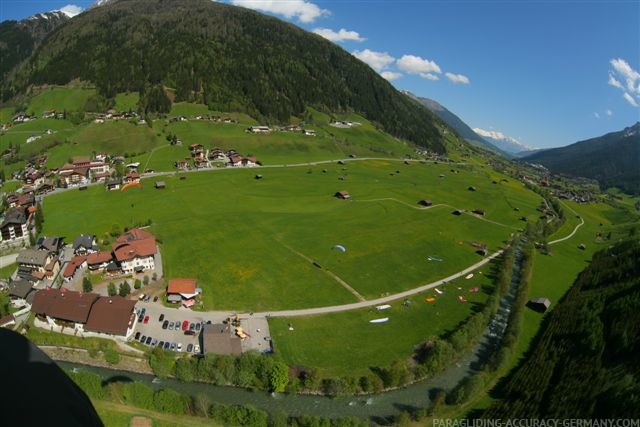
x: 256, y: 328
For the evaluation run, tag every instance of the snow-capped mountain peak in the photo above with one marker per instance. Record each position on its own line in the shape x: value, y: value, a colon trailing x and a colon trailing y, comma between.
x: 502, y: 141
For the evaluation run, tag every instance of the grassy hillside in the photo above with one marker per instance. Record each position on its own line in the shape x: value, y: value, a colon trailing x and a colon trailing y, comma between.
x: 226, y: 62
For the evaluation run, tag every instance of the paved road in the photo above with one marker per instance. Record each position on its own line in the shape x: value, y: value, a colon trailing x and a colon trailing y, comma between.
x: 8, y: 259
x: 574, y: 230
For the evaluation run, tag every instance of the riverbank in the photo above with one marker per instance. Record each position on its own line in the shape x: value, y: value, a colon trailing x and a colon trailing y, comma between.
x: 84, y: 357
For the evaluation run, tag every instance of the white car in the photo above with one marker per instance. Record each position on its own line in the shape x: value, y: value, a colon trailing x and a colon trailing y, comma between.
x: 196, y: 349
x: 179, y: 347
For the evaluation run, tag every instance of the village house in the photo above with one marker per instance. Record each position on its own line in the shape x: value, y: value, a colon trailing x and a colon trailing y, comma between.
x: 309, y: 132
x: 78, y: 262
x: 217, y: 154
x: 183, y: 291
x: 33, y: 138
x: 112, y: 316
x: 182, y: 164
x: 259, y: 129
x: 63, y: 308
x: 238, y: 161
x: 34, y: 265
x: 21, y: 292
x: 50, y: 244
x: 85, y: 244
x: 71, y: 175
x: 15, y: 224
x: 135, y: 251
x: 34, y: 179
x: 51, y: 114
x: 114, y: 184
x: 98, y: 260
x: 132, y: 177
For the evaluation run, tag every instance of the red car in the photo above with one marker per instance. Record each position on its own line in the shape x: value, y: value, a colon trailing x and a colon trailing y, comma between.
x: 146, y: 320
x: 185, y: 325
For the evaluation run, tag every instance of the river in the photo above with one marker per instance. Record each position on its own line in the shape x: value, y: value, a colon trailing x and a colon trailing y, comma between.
x: 370, y: 406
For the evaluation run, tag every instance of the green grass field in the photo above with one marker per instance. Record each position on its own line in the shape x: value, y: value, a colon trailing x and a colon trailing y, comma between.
x: 115, y: 414
x: 59, y: 99
x: 346, y: 344
x: 249, y: 242
x: 127, y: 101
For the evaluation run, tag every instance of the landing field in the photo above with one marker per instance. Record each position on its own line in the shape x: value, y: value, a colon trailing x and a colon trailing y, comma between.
x: 251, y: 243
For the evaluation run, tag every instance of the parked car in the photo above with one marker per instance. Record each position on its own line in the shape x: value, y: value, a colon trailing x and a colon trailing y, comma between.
x: 166, y: 345
x: 192, y: 327
x: 185, y: 325
x: 137, y: 337
x: 177, y: 325
x: 161, y: 318
x: 179, y: 347
x: 198, y: 326
x: 189, y: 348
x: 146, y: 319
x: 155, y: 299
x: 148, y: 341
x: 140, y: 317
x: 196, y: 349
x: 165, y: 324
x: 154, y: 342
x: 161, y: 344
x: 189, y: 332
x: 173, y: 346
x: 143, y: 311
x: 147, y: 298
x: 171, y: 325
x: 141, y: 297
x: 143, y: 339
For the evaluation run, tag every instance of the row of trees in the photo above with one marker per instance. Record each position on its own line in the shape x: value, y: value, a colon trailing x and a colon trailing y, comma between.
x: 171, y: 402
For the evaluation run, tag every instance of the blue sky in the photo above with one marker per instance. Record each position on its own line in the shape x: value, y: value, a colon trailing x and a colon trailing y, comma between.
x: 547, y: 73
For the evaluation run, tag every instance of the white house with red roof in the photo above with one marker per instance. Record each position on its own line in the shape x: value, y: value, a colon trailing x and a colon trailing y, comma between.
x: 135, y: 251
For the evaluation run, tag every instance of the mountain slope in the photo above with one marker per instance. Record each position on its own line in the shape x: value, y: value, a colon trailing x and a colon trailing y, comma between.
x: 613, y: 159
x: 591, y: 337
x: 230, y: 58
x: 19, y: 39
x: 455, y: 122
x: 503, y: 142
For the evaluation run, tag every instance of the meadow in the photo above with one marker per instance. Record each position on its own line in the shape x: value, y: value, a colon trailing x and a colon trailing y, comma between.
x: 251, y: 243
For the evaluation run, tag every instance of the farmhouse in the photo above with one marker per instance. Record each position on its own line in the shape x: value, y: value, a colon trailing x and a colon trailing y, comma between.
x: 135, y: 250
x: 85, y: 244
x: 217, y: 154
x: 182, y: 164
x: 236, y: 160
x: 72, y: 175
x: 182, y: 291
x: 220, y: 339
x: 15, y: 224
x: 160, y: 185
x: 539, y: 304
x: 132, y: 177
x: 35, y: 264
x: 344, y: 195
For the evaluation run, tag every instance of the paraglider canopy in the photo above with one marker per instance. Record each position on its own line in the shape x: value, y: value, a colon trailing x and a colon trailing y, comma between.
x: 340, y: 247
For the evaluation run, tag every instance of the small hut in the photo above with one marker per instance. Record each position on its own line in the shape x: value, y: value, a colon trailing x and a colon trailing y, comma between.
x: 160, y: 185
x: 344, y: 195
x: 478, y: 212
x: 540, y: 305
x: 472, y: 188
x: 457, y: 212
x: 258, y: 176
x: 425, y: 202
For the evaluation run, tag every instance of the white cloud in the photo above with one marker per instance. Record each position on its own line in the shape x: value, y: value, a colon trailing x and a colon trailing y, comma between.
x: 457, y: 78
x: 376, y: 60
x: 391, y: 75
x: 341, y: 35
x: 429, y: 76
x: 70, y: 10
x: 303, y: 10
x: 630, y: 99
x: 493, y: 134
x: 596, y: 115
x: 625, y: 78
x: 609, y: 113
x: 416, y: 65
x: 614, y: 82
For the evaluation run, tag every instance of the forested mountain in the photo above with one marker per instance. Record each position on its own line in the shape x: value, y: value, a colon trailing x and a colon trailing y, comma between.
x: 455, y: 122
x: 19, y: 39
x: 591, y: 338
x: 612, y: 159
x: 230, y: 58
